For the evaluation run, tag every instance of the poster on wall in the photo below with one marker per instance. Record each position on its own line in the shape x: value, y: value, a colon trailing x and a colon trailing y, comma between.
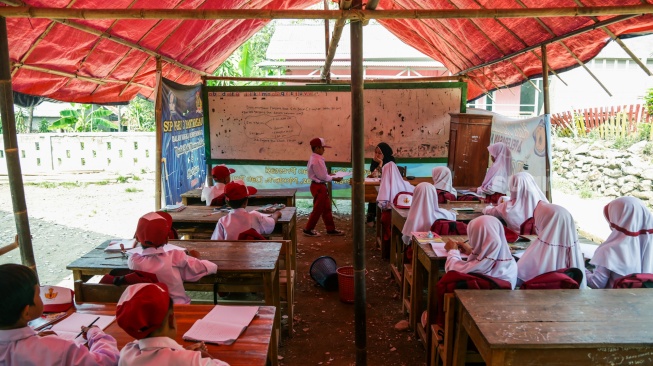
x: 527, y: 139
x: 183, y: 150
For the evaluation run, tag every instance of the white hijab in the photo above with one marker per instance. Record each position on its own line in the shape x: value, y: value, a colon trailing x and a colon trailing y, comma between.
x: 556, y: 246
x: 423, y: 212
x: 629, y: 248
x: 442, y: 179
x: 524, y: 196
x: 391, y: 183
x: 490, y: 252
x: 496, y: 178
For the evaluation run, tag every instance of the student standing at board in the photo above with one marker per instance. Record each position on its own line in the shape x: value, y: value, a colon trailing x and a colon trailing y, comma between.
x: 319, y: 176
x: 382, y: 156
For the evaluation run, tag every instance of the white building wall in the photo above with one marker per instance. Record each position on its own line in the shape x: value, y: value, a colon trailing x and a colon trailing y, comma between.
x: 84, y: 152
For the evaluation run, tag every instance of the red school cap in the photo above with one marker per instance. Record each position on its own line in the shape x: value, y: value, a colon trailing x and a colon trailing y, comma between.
x: 238, y: 190
x: 318, y: 142
x: 152, y: 230
x: 220, y: 172
x: 142, y: 308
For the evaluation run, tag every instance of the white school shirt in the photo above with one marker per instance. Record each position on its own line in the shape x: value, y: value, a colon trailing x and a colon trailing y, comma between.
x: 24, y: 347
x: 209, y: 193
x: 230, y: 226
x: 316, y: 169
x: 172, y: 268
x: 524, y: 197
x: 162, y: 351
x: 490, y: 252
x: 556, y: 246
x: 423, y: 212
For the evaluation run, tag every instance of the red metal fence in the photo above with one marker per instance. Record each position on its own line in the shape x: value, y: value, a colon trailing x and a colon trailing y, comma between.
x: 592, y: 118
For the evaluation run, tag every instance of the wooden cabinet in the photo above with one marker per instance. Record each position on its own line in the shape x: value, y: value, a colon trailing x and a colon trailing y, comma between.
x: 469, y: 138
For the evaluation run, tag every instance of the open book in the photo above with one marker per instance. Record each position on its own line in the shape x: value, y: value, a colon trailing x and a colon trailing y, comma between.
x: 222, y: 325
x: 70, y: 327
x: 438, y: 248
x: 166, y: 247
x: 464, y: 192
x: 114, y: 245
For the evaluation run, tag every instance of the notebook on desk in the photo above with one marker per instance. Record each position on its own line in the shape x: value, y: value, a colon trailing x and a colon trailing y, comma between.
x: 114, y: 245
x: 222, y: 325
x: 424, y: 237
x: 70, y: 327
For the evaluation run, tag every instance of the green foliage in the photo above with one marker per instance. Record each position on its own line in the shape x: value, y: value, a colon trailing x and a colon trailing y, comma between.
x: 133, y: 190
x: 102, y: 183
x: 648, y: 101
x: 243, y: 61
x: 622, y: 143
x: 122, y: 179
x: 644, y: 131
x: 84, y: 118
x: 44, y: 126
x: 139, y: 115
x: 648, y: 148
x: 586, y: 192
x: 136, y: 178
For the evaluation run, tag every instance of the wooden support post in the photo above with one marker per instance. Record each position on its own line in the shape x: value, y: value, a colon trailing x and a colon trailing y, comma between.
x: 10, y: 139
x: 358, y: 186
x: 158, y: 120
x: 547, y: 114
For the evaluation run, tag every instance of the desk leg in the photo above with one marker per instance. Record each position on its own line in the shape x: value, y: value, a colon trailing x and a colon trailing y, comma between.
x: 396, y: 254
x: 272, y: 299
x: 461, y: 337
x: 416, y: 292
x: 431, y: 304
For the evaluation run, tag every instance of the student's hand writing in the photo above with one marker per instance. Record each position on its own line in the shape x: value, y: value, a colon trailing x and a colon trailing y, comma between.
x: 451, y: 245
x: 201, y: 347
x: 85, y: 330
x: 194, y: 253
x: 465, y: 248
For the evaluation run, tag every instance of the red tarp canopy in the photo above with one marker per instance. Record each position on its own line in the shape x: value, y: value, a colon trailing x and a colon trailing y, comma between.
x: 107, y: 62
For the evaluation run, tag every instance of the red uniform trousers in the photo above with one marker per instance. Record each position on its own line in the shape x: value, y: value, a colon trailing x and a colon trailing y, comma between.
x: 321, y: 207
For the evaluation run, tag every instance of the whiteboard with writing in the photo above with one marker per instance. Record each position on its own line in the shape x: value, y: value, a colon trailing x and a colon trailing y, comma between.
x: 275, y: 124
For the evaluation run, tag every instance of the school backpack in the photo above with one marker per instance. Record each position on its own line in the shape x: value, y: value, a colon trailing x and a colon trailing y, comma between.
x: 527, y: 227
x: 564, y: 278
x: 250, y: 234
x: 635, y: 280
x: 444, y: 196
x: 494, y: 198
x: 468, y: 197
x: 511, y: 235
x: 449, y: 227
x: 454, y: 280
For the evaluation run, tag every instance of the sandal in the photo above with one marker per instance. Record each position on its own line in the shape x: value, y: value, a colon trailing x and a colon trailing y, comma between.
x: 310, y: 233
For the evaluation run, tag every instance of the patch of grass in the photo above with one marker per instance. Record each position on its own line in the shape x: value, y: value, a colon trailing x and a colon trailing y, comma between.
x: 648, y: 148
x: 133, y: 190
x: 43, y: 184
x: 102, y: 183
x: 143, y: 171
x: 122, y: 179
x: 70, y: 184
x: 136, y: 177
x: 586, y: 192
x: 623, y: 143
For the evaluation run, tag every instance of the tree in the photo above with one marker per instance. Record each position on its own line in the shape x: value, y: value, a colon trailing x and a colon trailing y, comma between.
x: 84, y: 118
x: 139, y: 115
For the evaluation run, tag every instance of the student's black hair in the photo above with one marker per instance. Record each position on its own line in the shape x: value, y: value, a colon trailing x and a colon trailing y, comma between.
x: 314, y: 147
x: 17, y: 288
x: 237, y: 203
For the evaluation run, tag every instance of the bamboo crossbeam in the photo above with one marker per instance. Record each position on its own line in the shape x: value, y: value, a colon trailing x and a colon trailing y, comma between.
x: 9, y: 247
x: 346, y: 82
x: 205, y: 14
x: 333, y: 46
x: 80, y: 77
x: 551, y: 40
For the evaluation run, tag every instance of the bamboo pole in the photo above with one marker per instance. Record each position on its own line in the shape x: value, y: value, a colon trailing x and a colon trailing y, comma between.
x: 548, y: 41
x: 421, y: 79
x: 358, y: 186
x: 205, y: 14
x: 326, y: 38
x: 10, y: 140
x: 547, y: 112
x: 80, y: 77
x: 158, y: 120
x: 619, y: 42
x: 333, y: 46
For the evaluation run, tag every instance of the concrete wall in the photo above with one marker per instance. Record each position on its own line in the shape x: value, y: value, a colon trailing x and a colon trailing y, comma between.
x: 83, y: 152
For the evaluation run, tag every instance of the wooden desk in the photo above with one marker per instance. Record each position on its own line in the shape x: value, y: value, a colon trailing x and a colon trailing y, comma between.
x: 465, y: 216
x: 371, y: 190
x: 556, y: 327
x: 251, y: 348
x: 428, y: 268
x: 201, y: 220
x: 262, y: 197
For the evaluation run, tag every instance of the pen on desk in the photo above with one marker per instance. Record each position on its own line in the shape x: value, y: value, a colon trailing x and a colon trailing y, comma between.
x: 90, y: 325
x: 466, y: 241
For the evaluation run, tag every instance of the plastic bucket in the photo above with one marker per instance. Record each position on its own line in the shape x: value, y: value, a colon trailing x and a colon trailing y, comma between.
x: 346, y: 283
x: 323, y: 271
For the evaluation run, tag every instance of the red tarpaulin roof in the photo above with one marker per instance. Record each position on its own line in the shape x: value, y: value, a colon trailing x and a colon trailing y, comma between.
x: 106, y: 61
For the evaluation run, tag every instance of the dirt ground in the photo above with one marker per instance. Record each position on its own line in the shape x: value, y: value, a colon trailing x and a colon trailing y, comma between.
x: 70, y: 216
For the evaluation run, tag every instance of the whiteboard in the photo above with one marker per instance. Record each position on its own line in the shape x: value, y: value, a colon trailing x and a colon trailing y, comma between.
x: 277, y: 124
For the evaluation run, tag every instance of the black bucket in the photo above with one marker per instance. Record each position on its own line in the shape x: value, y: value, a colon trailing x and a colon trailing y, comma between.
x: 323, y: 271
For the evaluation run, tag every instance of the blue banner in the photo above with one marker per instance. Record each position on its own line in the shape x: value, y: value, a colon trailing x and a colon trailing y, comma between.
x: 183, y: 150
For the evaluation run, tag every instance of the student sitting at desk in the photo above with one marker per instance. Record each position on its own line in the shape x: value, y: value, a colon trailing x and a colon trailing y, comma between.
x: 145, y: 312
x: 556, y: 246
x: 214, y: 195
x: 495, y: 183
x: 239, y: 220
x: 20, y: 345
x: 488, y: 251
x: 443, y: 183
x: 423, y: 212
x: 524, y: 197
x: 629, y: 247
x: 392, y: 183
x: 172, y: 267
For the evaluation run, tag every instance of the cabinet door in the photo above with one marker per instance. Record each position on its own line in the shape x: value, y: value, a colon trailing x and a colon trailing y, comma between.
x: 451, y: 157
